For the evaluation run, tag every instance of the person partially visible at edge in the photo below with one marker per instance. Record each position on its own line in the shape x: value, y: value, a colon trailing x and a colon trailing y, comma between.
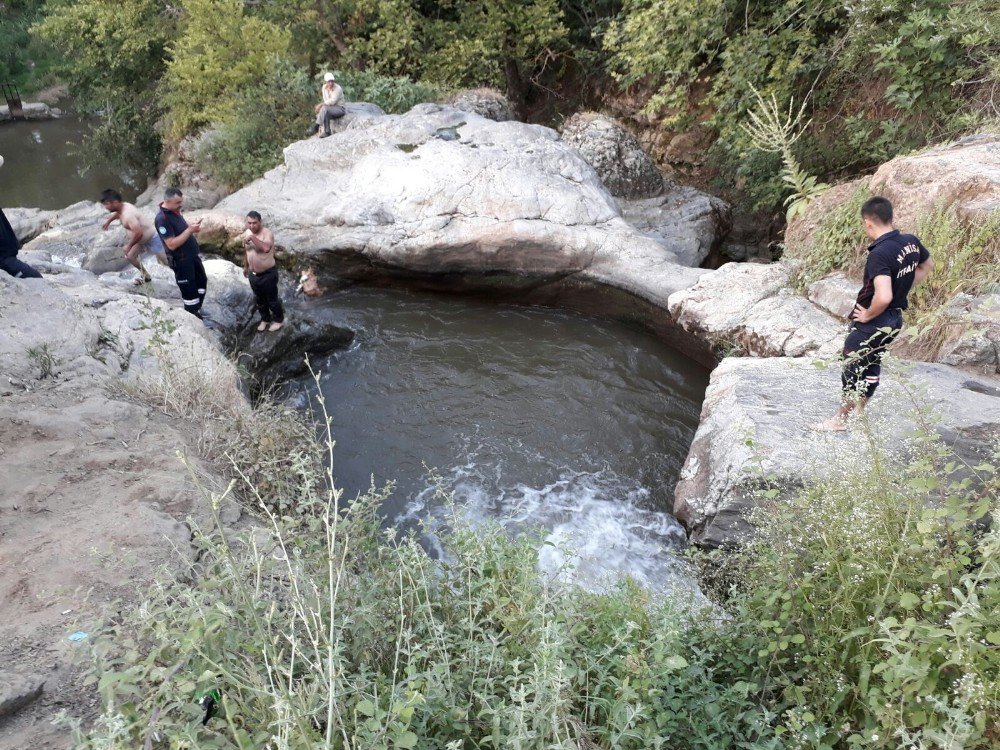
x: 896, y: 262
x: 141, y: 232
x: 179, y: 237
x: 331, y: 107
x: 259, y: 267
x: 10, y: 245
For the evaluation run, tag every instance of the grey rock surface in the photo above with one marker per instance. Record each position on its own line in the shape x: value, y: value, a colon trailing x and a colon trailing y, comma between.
x: 28, y: 223
x: 622, y: 164
x: 751, y: 307
x: 486, y: 103
x: 835, y: 294
x: 507, y: 197
x: 17, y: 691
x: 691, y: 223
x: 755, y: 425
x: 31, y: 111
x: 972, y: 338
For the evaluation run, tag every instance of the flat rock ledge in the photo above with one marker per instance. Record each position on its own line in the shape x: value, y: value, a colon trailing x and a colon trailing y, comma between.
x: 755, y: 426
x: 751, y: 308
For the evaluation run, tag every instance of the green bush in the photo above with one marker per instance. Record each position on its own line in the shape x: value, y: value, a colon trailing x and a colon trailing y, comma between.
x: 266, y: 117
x: 864, y: 615
x: 879, y: 589
x: 394, y: 94
x: 884, y: 77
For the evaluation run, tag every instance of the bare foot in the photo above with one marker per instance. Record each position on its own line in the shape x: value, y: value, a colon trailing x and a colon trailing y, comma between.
x: 262, y: 326
x: 833, y: 424
x: 275, y: 326
x: 140, y: 281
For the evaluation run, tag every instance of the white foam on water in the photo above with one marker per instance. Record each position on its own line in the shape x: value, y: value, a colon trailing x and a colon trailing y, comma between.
x: 593, y: 523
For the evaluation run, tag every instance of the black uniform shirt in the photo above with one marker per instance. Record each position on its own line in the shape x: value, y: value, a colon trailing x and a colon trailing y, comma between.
x: 897, y: 256
x: 172, y: 224
x: 9, y: 244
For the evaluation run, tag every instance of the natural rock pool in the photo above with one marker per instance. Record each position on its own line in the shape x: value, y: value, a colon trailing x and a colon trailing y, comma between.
x: 43, y: 167
x: 534, y: 417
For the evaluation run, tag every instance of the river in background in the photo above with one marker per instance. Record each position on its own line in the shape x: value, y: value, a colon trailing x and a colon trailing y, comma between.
x: 532, y: 417
x: 43, y: 167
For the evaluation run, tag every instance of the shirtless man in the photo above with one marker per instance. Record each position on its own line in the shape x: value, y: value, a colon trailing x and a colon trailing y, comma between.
x: 258, y: 266
x: 141, y: 233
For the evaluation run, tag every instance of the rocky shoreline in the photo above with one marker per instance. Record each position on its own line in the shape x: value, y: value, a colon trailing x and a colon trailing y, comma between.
x: 438, y: 199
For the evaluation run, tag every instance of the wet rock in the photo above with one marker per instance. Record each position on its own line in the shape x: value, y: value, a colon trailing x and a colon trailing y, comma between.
x: 310, y: 331
x: 688, y: 222
x: 754, y: 427
x: 73, y: 234
x: 486, y: 103
x: 17, y: 691
x: 624, y: 168
x: 751, y: 308
x: 505, y: 198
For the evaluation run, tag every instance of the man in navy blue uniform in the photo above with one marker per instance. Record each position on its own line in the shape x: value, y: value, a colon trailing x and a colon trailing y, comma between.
x: 896, y: 262
x: 182, y: 250
x: 9, y: 247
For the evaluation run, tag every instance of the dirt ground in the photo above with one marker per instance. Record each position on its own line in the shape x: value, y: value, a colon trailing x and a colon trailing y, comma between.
x: 93, y: 502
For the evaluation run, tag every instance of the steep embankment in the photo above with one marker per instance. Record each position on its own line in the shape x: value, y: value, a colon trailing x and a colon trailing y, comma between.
x: 95, y: 496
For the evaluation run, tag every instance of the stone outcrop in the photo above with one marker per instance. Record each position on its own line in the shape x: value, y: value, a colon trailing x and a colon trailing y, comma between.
x: 28, y: 223
x: 441, y: 192
x: 181, y: 169
x: 972, y: 337
x: 486, y: 103
x: 31, y: 111
x: 751, y: 308
x: 624, y: 168
x: 689, y: 222
x: 754, y: 427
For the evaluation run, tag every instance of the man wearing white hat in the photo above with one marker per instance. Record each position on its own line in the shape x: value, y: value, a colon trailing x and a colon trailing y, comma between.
x: 331, y: 107
x: 9, y: 245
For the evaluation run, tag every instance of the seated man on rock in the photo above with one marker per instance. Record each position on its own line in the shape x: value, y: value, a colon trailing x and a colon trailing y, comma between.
x: 331, y: 108
x: 896, y: 262
x: 9, y: 247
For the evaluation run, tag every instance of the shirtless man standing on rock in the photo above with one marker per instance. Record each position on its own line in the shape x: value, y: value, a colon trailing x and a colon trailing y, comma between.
x: 258, y: 242
x: 141, y: 232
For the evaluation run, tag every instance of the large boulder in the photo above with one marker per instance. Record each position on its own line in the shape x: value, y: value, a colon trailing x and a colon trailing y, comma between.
x: 626, y: 170
x: 28, y: 223
x: 754, y: 430
x: 486, y: 103
x: 74, y: 233
x: 439, y: 191
x: 689, y: 222
x: 750, y: 307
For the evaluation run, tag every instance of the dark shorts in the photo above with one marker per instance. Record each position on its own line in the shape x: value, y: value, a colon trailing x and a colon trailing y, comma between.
x: 864, y: 348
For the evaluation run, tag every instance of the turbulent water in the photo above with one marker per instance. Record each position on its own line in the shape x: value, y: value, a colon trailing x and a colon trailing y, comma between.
x: 540, y: 419
x: 43, y: 167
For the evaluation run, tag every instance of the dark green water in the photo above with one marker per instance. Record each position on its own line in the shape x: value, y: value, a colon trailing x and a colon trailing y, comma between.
x: 43, y: 168
x: 532, y: 417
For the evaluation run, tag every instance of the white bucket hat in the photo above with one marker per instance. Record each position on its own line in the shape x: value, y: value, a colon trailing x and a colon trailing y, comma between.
x: 328, y: 77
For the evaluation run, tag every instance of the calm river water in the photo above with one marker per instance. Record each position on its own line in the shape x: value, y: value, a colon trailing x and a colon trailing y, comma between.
x: 533, y: 417
x: 42, y: 166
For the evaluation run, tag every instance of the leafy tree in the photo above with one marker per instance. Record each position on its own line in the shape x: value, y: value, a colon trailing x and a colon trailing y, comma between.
x: 111, y: 54
x: 219, y: 51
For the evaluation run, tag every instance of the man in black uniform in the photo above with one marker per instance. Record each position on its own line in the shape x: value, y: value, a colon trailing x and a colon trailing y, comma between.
x: 895, y: 263
x: 182, y: 250
x: 9, y: 246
